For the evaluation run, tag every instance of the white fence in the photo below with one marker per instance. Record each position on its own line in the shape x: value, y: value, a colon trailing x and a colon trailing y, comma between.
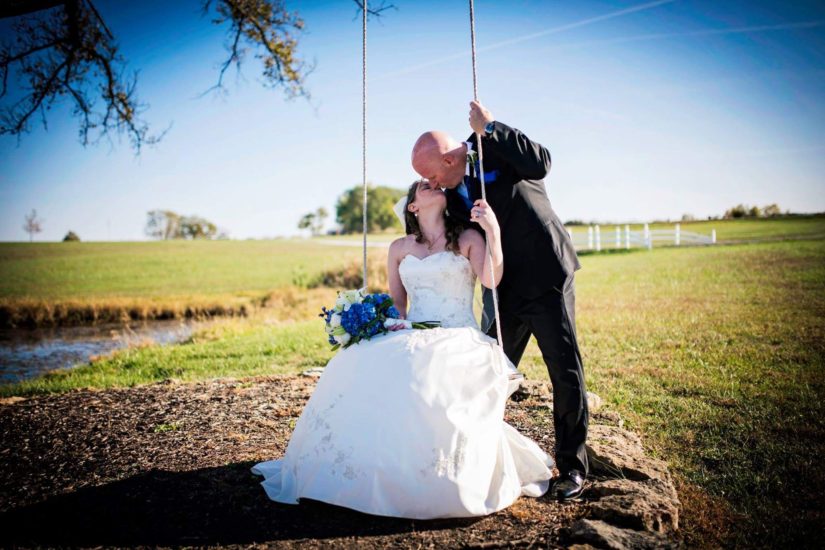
x: 598, y: 237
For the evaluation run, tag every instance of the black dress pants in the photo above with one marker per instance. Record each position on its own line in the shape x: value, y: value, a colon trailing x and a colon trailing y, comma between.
x: 551, y: 318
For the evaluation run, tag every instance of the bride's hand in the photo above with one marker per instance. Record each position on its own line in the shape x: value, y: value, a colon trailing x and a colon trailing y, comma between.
x: 482, y: 214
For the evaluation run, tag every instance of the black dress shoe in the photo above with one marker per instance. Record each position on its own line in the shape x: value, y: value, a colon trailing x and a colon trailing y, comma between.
x: 520, y: 394
x: 568, y: 485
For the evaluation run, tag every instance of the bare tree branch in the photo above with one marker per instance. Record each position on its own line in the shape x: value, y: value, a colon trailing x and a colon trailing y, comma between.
x: 66, y: 47
x: 62, y: 51
x: 267, y: 24
x: 374, y: 11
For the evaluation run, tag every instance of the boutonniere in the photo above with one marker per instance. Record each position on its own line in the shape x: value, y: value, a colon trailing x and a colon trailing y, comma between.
x: 472, y: 160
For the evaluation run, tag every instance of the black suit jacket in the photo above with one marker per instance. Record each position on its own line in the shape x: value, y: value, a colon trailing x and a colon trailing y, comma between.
x: 538, y: 252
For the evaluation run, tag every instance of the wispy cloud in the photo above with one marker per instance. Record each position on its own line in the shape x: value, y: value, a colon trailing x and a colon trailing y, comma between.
x: 702, y: 32
x: 526, y: 37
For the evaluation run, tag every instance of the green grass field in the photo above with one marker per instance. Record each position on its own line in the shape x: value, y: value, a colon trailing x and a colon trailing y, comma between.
x: 166, y: 269
x: 715, y: 354
x: 214, y: 269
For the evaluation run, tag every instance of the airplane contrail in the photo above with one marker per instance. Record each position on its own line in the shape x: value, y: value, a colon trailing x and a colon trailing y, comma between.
x: 530, y: 36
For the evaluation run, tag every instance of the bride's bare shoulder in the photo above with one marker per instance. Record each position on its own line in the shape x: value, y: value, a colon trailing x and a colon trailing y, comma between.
x: 400, y: 245
x: 470, y: 236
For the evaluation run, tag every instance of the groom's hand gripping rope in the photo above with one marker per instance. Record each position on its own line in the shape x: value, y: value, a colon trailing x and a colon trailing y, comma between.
x: 479, y: 117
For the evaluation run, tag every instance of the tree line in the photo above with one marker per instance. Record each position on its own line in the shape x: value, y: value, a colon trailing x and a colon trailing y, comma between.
x: 349, y: 211
x: 166, y: 225
x: 744, y: 211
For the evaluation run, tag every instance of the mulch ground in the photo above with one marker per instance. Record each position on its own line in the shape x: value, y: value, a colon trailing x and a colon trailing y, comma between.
x: 168, y: 464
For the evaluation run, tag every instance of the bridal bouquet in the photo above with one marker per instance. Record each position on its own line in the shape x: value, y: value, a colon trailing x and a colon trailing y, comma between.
x: 360, y: 316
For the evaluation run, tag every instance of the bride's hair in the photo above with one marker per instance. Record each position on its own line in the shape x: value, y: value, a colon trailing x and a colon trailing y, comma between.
x: 452, y: 224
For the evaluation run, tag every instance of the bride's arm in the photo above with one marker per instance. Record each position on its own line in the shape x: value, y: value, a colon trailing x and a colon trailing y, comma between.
x: 479, y: 251
x: 397, y: 291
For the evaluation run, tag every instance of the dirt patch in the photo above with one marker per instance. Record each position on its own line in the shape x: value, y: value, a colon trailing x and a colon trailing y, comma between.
x: 168, y: 464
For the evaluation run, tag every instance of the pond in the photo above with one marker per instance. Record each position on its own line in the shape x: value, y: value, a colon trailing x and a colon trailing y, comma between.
x: 27, y: 353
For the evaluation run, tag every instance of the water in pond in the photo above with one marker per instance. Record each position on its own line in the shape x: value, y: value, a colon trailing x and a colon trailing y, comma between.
x: 26, y: 353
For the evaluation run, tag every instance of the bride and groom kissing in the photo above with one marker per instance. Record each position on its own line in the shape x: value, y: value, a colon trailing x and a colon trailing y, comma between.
x: 411, y: 423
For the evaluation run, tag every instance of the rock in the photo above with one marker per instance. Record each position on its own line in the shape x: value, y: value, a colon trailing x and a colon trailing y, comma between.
x: 594, y: 402
x: 314, y: 372
x: 616, y: 452
x: 11, y: 400
x: 536, y: 389
x: 595, y: 533
x: 650, y: 505
x: 608, y: 417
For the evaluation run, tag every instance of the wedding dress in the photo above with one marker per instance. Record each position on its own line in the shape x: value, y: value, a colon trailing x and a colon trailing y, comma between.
x: 410, y: 423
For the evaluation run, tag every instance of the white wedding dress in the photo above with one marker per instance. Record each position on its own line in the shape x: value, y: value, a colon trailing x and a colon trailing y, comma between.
x: 410, y: 424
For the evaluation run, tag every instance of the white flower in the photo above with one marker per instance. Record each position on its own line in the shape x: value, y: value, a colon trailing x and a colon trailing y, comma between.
x: 348, y: 297
x: 342, y: 338
x: 335, y: 320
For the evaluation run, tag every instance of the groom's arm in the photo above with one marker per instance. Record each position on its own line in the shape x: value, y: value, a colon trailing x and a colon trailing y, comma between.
x: 529, y: 159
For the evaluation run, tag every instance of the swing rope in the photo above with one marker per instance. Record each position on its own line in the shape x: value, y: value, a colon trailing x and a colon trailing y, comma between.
x: 364, y: 133
x: 481, y: 168
x: 364, y: 149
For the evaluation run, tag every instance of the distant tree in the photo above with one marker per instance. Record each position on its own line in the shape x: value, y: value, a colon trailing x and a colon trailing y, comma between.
x: 320, y: 217
x: 688, y: 218
x: 71, y: 236
x: 772, y: 210
x: 754, y: 212
x: 349, y: 209
x: 195, y: 227
x: 307, y: 221
x: 739, y: 211
x: 163, y: 225
x: 33, y: 224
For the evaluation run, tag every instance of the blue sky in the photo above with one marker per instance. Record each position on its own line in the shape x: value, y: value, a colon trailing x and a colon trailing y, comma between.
x: 650, y: 110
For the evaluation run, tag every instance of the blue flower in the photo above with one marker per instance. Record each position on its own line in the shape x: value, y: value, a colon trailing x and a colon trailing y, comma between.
x: 327, y: 314
x: 377, y: 299
x: 393, y: 312
x: 357, y: 316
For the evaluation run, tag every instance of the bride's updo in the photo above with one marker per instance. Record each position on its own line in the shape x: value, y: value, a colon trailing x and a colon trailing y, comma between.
x: 453, y: 226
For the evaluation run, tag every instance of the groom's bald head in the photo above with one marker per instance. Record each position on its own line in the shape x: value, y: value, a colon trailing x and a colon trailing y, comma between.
x: 439, y: 158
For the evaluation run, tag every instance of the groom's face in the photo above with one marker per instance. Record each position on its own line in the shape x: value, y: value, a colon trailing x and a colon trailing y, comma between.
x: 443, y: 171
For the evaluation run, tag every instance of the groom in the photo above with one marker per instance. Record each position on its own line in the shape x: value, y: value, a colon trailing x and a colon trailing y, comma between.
x: 536, y: 293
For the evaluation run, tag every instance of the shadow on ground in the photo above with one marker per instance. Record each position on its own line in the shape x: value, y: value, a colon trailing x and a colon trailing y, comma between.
x: 214, y: 506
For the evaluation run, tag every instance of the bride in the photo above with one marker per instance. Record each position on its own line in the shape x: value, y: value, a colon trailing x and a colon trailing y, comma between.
x: 410, y: 424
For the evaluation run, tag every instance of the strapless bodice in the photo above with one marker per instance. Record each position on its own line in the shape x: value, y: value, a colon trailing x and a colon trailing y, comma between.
x: 439, y: 288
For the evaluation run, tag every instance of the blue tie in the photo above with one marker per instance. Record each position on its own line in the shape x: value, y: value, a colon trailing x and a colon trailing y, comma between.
x: 464, y: 192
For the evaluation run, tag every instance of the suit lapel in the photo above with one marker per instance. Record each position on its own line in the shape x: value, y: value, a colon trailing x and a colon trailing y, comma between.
x: 473, y: 187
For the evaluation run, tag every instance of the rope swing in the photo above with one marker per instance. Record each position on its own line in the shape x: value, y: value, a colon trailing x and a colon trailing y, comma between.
x: 364, y: 149
x: 481, y: 168
x: 364, y: 133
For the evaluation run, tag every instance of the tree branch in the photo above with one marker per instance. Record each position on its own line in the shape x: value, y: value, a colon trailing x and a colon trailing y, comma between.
x: 57, y: 51
x: 264, y: 23
x: 374, y: 11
